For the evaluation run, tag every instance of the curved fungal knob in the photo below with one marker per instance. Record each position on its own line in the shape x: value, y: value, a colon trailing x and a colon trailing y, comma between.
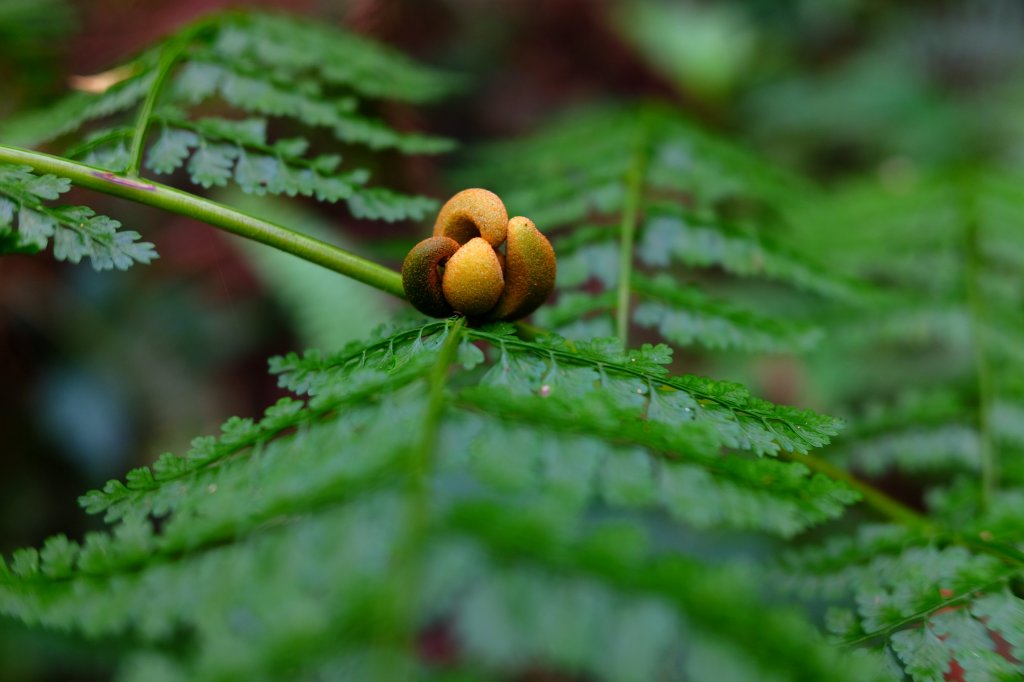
x: 473, y: 281
x: 461, y: 270
x: 473, y: 213
x: 421, y: 275
x: 530, y: 270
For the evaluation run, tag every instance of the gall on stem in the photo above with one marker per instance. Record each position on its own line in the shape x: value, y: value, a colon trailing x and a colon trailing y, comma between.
x: 479, y: 263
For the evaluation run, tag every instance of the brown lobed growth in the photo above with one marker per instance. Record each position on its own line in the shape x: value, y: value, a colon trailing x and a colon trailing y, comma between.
x: 461, y: 270
x: 473, y: 213
x: 421, y: 275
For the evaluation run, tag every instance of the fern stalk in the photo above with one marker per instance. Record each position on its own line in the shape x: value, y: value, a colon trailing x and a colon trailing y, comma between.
x: 873, y: 497
x: 396, y: 611
x: 989, y: 465
x: 212, y: 213
x: 914, y: 619
x: 627, y: 231
x: 423, y: 463
x: 904, y: 515
x: 169, y: 58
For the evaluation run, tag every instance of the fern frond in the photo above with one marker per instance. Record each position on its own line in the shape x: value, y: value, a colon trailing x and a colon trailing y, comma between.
x: 927, y: 602
x: 329, y: 479
x: 230, y: 61
x: 252, y: 93
x: 935, y: 431
x: 613, y: 556
x: 646, y: 191
x: 28, y: 223
x: 684, y: 316
x: 585, y: 155
x: 941, y: 341
x: 933, y: 608
x: 916, y: 450
x: 678, y: 234
x: 836, y: 567
x: 944, y: 325
x: 221, y: 151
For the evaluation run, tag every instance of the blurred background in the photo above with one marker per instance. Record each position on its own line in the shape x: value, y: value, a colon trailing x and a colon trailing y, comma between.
x: 103, y: 372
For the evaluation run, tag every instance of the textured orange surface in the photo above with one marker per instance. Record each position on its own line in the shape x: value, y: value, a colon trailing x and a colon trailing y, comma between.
x: 530, y: 270
x: 421, y: 275
x: 478, y: 280
x: 473, y: 213
x: 472, y: 279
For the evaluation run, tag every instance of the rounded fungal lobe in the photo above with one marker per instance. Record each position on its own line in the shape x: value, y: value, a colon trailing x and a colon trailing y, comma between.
x: 421, y: 277
x: 473, y: 213
x: 472, y: 281
x: 530, y: 271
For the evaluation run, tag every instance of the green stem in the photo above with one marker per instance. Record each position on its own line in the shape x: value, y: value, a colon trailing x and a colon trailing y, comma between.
x: 900, y: 513
x: 423, y: 461
x: 210, y: 212
x: 169, y: 57
x: 917, y: 617
x: 396, y: 611
x: 872, y: 496
x: 973, y: 267
x: 627, y: 230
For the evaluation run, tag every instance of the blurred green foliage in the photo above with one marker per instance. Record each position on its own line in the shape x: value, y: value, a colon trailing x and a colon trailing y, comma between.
x: 901, y: 128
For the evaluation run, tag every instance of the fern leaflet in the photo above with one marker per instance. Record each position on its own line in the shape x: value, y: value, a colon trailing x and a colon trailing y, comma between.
x: 28, y: 223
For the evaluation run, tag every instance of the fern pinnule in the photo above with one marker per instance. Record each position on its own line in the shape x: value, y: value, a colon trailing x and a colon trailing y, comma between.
x: 28, y: 223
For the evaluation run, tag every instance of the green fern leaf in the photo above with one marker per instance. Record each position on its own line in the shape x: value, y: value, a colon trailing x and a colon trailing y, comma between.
x: 225, y: 58
x: 935, y: 609
x: 332, y: 484
x: 171, y: 150
x: 691, y: 201
x: 77, y: 231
